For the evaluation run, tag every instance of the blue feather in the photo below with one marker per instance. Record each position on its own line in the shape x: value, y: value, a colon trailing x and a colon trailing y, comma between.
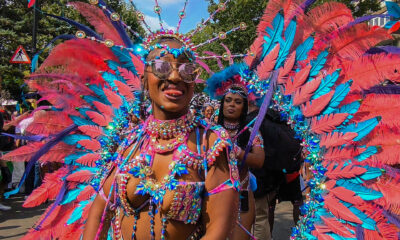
x: 393, y: 9
x: 341, y: 92
x: 74, y: 138
x: 98, y: 90
x: 80, y: 121
x: 366, y: 154
x: 326, y: 84
x: 110, y: 78
x: 304, y: 48
x: 83, y: 111
x: 82, y: 27
x: 350, y: 108
x: 368, y: 223
x: 318, y: 63
x: 124, y: 58
x: 77, y: 213
x: 284, y: 49
x: 113, y: 65
x: 372, y: 173
x: 73, y: 194
x: 362, y: 128
x: 274, y: 35
x: 34, y: 63
x: 70, y: 159
x: 361, y: 191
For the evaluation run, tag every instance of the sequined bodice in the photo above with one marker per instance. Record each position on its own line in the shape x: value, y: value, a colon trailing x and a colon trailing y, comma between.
x: 184, y: 201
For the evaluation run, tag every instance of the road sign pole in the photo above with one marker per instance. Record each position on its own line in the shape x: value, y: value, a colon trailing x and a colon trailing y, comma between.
x: 36, y: 7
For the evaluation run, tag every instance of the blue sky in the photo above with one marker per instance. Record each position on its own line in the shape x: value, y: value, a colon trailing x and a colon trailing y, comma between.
x: 195, y: 11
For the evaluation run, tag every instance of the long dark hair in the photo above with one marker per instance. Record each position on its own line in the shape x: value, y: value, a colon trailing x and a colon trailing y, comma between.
x: 244, y: 137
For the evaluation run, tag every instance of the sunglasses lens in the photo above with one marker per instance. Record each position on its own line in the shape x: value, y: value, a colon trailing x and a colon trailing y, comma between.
x: 187, y: 71
x: 161, y: 68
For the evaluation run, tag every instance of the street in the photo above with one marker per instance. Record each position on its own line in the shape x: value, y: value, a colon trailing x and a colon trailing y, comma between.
x: 16, y: 222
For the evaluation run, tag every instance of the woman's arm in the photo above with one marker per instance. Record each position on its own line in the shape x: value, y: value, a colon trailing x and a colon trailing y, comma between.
x: 255, y: 158
x: 219, y: 210
x: 96, y: 210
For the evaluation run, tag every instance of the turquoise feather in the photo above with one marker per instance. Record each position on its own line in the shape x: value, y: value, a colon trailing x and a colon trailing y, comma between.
x: 326, y: 84
x: 73, y: 194
x: 284, y: 48
x: 362, y: 128
x: 113, y: 65
x: 361, y: 191
x: 110, y: 78
x: 70, y: 159
x: 366, y: 154
x: 341, y: 92
x: 35, y: 61
x: 368, y: 223
x: 274, y: 35
x: 80, y: 121
x: 372, y: 173
x: 74, y: 138
x: 304, y: 48
x: 77, y: 213
x: 318, y: 63
x: 124, y: 58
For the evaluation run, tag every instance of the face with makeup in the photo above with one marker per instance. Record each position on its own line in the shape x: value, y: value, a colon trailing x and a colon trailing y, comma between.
x: 233, y: 106
x: 208, y: 112
x: 170, y: 92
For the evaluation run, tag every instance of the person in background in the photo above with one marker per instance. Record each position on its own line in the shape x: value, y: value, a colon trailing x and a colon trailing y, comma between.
x: 208, y: 112
x: 6, y: 144
x: 282, y: 151
x: 232, y: 116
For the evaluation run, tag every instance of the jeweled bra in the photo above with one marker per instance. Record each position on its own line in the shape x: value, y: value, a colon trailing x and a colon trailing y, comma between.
x: 187, y: 200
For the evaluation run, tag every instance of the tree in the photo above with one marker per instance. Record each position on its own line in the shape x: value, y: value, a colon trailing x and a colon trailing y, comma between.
x: 16, y: 29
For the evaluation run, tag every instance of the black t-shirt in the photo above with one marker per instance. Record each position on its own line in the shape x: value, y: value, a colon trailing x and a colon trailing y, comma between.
x: 6, y: 143
x: 282, y: 152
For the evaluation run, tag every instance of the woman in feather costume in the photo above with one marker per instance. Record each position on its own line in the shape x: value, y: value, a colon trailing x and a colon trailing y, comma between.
x: 319, y: 67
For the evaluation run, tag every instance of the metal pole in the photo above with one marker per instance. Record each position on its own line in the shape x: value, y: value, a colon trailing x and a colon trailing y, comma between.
x: 35, y: 26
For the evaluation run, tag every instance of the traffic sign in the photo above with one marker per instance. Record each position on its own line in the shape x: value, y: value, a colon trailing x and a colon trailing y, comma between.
x: 20, y: 56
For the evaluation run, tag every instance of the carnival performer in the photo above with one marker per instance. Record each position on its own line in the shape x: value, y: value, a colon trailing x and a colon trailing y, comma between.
x: 171, y: 150
x: 232, y: 115
x: 311, y: 65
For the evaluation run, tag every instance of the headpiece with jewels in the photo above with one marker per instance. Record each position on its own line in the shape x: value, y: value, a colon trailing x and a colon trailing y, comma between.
x: 149, y: 42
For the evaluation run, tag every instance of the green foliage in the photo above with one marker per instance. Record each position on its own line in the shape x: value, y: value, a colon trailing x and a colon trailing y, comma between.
x: 247, y: 11
x: 16, y: 28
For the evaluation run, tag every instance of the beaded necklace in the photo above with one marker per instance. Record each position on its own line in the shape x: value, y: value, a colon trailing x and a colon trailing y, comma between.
x: 231, y: 126
x: 141, y: 167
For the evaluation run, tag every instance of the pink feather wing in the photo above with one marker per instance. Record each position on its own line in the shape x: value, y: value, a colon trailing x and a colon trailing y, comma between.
x: 327, y: 123
x: 298, y: 80
x: 97, y: 118
x: 91, y: 130
x: 88, y: 159
x: 339, y: 210
x: 99, y: 20
x: 93, y: 144
x: 113, y: 98
x: 81, y: 176
x: 336, y: 139
x: 124, y: 90
x: 265, y: 68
